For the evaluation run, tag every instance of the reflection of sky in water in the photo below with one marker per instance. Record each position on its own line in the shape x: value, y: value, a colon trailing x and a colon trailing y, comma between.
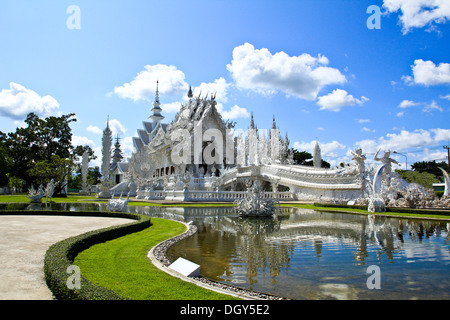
x: 310, y: 255
x: 324, y: 256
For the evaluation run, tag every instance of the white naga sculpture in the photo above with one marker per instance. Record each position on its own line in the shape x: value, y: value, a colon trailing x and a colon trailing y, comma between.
x: 376, y: 202
x: 118, y: 205
x: 447, y: 183
x: 36, y: 196
x: 255, y: 205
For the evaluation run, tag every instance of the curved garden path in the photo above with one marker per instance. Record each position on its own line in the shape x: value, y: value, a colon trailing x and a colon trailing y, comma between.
x: 23, y: 243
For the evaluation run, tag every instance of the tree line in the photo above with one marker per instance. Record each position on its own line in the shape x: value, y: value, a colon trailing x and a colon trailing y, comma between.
x: 42, y: 150
x: 39, y: 151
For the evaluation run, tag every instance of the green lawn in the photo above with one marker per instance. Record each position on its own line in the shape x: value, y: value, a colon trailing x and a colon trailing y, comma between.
x: 23, y: 198
x: 360, y: 211
x: 122, y: 266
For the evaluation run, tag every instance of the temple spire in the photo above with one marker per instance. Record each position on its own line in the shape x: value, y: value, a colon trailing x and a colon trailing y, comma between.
x: 252, y: 122
x: 156, y: 116
x: 157, y: 92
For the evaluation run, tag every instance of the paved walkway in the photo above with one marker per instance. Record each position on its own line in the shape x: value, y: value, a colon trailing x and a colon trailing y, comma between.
x: 23, y: 243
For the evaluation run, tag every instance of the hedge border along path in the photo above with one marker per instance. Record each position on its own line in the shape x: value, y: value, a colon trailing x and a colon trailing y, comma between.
x: 60, y: 255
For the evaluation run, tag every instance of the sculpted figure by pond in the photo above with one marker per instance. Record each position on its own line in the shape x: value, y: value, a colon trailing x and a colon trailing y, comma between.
x: 255, y: 204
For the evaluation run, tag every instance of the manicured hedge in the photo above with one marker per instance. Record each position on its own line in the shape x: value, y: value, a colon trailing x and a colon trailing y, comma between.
x: 61, y: 255
x: 333, y: 205
x: 439, y: 211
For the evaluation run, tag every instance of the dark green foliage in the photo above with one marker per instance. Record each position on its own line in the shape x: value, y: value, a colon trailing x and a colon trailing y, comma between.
x: 38, y: 148
x: 93, y: 178
x: 423, y: 178
x: 431, y: 167
x: 388, y: 209
x: 306, y: 159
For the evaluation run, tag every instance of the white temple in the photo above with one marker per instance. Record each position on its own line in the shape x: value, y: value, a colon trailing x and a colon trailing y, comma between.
x: 200, y: 157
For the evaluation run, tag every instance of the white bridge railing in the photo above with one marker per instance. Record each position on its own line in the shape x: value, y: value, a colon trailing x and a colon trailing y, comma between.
x: 209, y: 196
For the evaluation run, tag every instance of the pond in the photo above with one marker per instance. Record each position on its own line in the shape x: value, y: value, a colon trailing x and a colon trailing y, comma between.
x: 311, y: 255
x: 304, y: 254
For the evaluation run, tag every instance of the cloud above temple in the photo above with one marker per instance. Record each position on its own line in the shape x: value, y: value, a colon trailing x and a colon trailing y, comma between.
x: 235, y: 113
x: 300, y: 76
x: 142, y: 87
x: 338, y: 99
x: 419, y: 13
x: 117, y: 128
x: 405, y: 140
x: 219, y: 88
x: 329, y: 149
x: 17, y: 101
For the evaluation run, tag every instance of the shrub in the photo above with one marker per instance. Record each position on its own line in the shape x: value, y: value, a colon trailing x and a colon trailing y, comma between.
x: 61, y: 255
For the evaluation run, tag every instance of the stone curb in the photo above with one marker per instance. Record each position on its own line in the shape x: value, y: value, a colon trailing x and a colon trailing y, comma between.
x: 157, y: 256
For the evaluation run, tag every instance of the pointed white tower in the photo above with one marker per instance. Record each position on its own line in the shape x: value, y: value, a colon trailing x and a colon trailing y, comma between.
x: 317, y: 157
x: 106, y: 161
x: 156, y: 116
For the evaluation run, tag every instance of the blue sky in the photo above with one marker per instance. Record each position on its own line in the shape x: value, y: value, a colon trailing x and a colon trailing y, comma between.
x: 314, y: 64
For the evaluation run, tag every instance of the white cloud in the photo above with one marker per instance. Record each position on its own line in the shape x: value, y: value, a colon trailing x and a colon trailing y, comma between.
x: 428, y: 74
x: 441, y: 134
x: 329, y: 149
x: 219, y: 88
x: 400, y: 114
x: 143, y: 86
x: 408, y: 103
x: 432, y: 106
x: 171, y: 107
x: 419, y: 13
x: 82, y: 141
x: 419, y: 139
x: 116, y: 127
x: 446, y: 97
x: 337, y: 99
x: 94, y: 129
x: 300, y: 76
x: 17, y: 101
x: 126, y: 144
x: 235, y: 112
x: 363, y: 120
x: 365, y: 129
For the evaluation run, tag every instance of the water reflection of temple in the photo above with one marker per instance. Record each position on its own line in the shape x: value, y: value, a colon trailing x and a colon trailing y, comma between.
x: 242, y: 250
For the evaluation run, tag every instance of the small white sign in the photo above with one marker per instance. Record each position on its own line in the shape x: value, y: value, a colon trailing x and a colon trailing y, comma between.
x: 186, y: 267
